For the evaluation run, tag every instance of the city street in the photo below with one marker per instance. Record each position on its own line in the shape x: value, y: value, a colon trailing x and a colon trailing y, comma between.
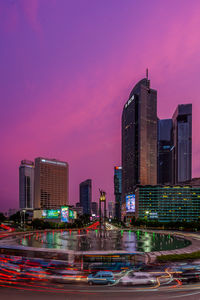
x: 74, y: 292
x: 21, y: 278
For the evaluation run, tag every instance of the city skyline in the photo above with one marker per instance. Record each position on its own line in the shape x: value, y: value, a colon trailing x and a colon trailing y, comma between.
x: 61, y: 100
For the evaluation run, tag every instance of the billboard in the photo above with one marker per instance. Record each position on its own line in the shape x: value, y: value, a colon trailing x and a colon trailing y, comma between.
x: 71, y: 214
x: 64, y: 214
x: 51, y: 214
x: 130, y: 203
x: 75, y: 214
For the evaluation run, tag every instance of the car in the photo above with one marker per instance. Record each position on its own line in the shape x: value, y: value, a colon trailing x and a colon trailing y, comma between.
x: 57, y: 266
x: 188, y: 276
x: 137, y: 278
x: 10, y: 266
x: 69, y: 277
x: 110, y: 267
x: 102, y: 277
x: 184, y: 267
x: 152, y: 268
x: 34, y: 272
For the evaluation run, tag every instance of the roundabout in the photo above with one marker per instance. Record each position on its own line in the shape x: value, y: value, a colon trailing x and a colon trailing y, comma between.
x: 60, y: 262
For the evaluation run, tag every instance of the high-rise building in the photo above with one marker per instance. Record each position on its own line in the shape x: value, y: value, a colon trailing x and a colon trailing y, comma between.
x: 165, y: 149
x: 111, y: 209
x: 182, y: 135
x: 26, y: 184
x: 51, y: 183
x: 85, y: 188
x: 94, y: 208
x: 139, y: 138
x: 118, y: 191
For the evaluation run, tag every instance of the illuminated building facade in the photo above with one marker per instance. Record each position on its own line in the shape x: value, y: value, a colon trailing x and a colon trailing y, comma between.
x: 85, y: 188
x: 168, y: 203
x: 26, y: 184
x: 51, y: 183
x: 118, y: 191
x: 139, y: 138
x: 182, y: 134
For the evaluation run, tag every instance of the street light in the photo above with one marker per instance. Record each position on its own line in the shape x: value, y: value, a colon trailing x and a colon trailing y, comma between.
x: 23, y: 220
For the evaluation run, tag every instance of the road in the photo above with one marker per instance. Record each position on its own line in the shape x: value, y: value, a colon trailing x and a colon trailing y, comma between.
x: 76, y: 292
x: 33, y: 281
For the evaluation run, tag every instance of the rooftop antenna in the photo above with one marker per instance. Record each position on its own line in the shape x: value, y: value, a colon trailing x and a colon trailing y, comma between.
x: 147, y: 73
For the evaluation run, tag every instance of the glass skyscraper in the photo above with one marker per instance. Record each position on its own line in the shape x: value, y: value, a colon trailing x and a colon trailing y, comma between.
x: 182, y: 135
x: 118, y: 191
x: 139, y: 138
x: 86, y: 196
x: 26, y: 184
x: 165, y: 150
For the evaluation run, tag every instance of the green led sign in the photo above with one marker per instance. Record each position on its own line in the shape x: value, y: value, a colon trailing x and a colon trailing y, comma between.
x: 51, y: 214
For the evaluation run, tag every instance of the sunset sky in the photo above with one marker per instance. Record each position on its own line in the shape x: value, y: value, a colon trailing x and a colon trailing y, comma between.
x: 67, y: 68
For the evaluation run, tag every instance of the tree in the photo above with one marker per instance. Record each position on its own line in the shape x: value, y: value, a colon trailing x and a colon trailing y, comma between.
x: 85, y: 219
x: 38, y: 224
x: 2, y: 217
x: 16, y: 217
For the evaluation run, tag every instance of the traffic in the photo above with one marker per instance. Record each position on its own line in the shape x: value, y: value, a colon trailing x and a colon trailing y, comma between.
x: 22, y: 271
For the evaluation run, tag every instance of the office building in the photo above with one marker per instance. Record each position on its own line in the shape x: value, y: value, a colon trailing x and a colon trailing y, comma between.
x: 85, y: 189
x: 26, y: 184
x: 118, y: 191
x: 168, y: 203
x: 165, y: 149
x: 94, y: 208
x: 79, y: 210
x: 139, y: 138
x: 111, y: 210
x: 51, y: 183
x: 182, y: 135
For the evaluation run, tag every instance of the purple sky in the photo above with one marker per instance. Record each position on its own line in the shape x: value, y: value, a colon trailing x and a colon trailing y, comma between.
x: 67, y: 68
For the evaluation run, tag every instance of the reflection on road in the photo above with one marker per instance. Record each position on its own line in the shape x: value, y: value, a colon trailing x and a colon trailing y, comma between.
x: 50, y: 276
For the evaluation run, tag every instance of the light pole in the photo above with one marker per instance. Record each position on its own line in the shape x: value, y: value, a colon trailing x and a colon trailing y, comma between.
x: 24, y: 211
x: 21, y: 218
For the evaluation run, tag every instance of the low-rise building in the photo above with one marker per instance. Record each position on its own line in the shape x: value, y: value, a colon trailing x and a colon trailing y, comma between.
x: 63, y: 214
x: 168, y: 203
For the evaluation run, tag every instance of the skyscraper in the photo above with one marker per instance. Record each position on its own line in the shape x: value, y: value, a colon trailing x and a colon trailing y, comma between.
x: 165, y: 149
x: 118, y: 191
x: 85, y: 188
x: 94, y: 208
x: 139, y: 138
x: 26, y: 184
x: 182, y: 135
x: 111, y: 209
x: 51, y: 183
